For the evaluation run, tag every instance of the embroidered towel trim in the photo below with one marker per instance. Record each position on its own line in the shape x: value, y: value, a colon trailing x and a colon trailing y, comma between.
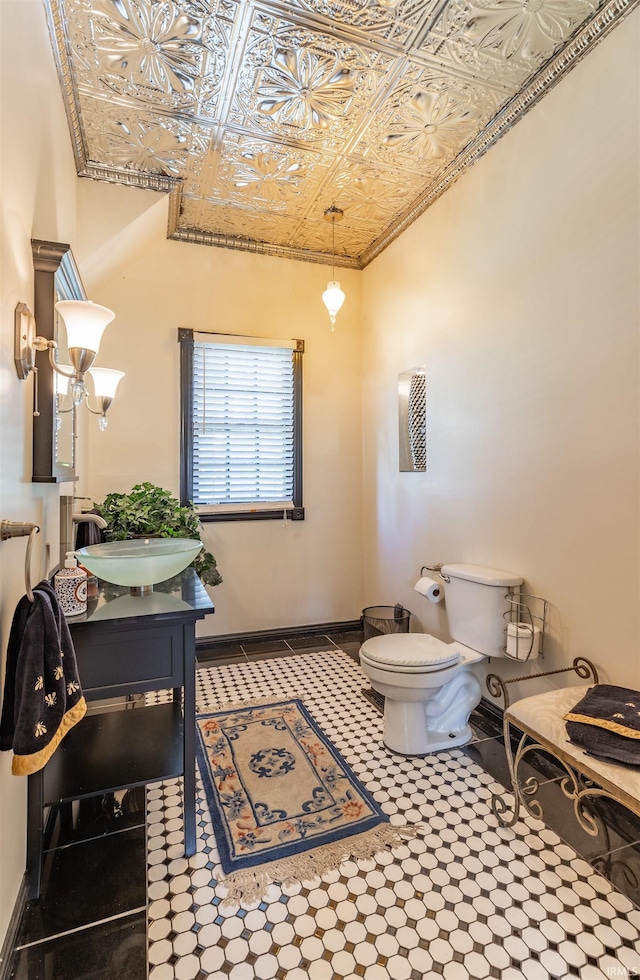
x: 43, y: 699
x: 24, y: 765
x: 616, y: 709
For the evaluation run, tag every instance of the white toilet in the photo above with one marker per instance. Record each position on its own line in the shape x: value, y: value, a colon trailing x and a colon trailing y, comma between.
x: 431, y: 687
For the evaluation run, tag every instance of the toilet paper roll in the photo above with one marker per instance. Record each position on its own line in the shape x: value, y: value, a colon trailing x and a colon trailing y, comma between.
x: 428, y: 587
x: 522, y: 643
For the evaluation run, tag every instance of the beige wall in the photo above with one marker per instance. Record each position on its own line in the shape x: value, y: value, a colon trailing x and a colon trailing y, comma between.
x: 518, y: 292
x: 37, y: 199
x: 274, y: 576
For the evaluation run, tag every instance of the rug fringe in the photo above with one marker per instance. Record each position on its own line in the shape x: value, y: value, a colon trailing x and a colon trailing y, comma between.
x: 250, y: 885
x: 253, y: 703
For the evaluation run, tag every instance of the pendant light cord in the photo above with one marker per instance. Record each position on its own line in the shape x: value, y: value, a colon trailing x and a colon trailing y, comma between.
x: 333, y: 246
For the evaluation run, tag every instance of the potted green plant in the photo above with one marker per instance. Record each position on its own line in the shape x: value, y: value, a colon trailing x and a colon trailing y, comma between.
x: 150, y: 511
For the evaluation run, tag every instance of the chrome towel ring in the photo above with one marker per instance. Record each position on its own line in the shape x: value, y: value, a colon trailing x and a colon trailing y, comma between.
x: 20, y: 529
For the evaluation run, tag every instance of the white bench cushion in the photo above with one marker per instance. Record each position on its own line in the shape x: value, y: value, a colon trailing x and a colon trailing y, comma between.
x: 542, y: 715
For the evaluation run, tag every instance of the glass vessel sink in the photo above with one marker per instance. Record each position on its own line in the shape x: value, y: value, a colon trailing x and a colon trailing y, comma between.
x: 140, y: 563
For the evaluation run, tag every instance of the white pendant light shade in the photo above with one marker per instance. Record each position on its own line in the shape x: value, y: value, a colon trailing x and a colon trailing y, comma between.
x: 85, y: 323
x: 333, y: 298
x: 105, y: 381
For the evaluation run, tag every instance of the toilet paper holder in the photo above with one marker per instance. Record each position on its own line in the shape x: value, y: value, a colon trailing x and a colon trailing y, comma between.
x: 433, y: 568
x: 436, y: 568
x: 526, y: 620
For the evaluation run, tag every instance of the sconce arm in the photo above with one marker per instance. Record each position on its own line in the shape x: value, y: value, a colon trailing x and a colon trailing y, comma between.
x: 41, y: 343
x: 103, y: 403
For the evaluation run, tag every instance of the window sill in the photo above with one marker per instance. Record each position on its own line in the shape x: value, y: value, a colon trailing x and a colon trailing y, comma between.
x: 293, y: 514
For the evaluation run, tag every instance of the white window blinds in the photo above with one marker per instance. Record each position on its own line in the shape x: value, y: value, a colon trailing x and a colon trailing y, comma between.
x: 243, y: 422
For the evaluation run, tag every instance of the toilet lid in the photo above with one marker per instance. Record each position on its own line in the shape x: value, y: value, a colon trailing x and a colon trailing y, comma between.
x: 409, y: 650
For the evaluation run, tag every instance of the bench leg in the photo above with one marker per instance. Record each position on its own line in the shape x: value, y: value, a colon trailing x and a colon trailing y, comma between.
x: 579, y: 789
x: 521, y: 793
x: 574, y: 785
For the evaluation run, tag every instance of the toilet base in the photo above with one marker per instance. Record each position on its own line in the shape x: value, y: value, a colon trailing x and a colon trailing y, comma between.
x: 450, y: 742
x: 420, y: 722
x: 407, y: 732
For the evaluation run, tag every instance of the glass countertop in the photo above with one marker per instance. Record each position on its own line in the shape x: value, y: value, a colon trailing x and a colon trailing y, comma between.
x: 182, y: 594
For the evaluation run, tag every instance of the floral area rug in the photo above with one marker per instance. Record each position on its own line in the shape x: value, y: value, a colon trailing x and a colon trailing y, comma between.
x: 285, y: 806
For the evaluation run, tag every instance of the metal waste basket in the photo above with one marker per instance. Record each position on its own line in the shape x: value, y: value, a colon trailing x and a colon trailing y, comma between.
x: 377, y: 620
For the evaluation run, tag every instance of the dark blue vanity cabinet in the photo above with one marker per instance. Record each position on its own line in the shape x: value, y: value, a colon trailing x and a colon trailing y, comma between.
x: 127, y: 645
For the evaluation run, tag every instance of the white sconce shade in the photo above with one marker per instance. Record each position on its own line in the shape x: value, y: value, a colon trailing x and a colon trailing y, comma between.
x: 61, y: 381
x: 85, y: 323
x: 105, y: 381
x: 333, y: 298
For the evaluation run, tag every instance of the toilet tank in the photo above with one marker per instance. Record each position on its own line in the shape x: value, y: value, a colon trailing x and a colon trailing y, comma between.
x: 475, y: 598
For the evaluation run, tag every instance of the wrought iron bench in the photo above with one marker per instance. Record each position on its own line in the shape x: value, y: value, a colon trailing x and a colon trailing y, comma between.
x: 540, y: 719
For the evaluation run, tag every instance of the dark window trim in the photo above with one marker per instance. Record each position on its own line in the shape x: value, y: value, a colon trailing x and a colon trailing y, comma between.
x: 295, y: 513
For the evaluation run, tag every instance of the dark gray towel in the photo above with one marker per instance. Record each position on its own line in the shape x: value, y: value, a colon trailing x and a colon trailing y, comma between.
x: 608, y: 707
x: 88, y: 533
x: 42, y: 694
x: 604, y: 745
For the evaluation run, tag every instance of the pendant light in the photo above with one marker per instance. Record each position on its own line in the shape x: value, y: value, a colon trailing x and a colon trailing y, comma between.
x: 333, y: 297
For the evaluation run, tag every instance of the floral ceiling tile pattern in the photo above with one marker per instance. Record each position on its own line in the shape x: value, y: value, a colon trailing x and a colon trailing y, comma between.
x: 159, y: 55
x: 124, y: 137
x: 258, y: 115
x: 393, y: 21
x: 262, y: 174
x: 304, y: 86
x: 503, y: 41
x: 237, y: 222
x: 371, y: 195
x: 316, y: 235
x: 423, y: 124
x: 527, y: 32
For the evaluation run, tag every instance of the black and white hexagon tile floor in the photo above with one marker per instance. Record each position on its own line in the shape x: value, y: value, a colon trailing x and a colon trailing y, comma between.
x: 465, y: 898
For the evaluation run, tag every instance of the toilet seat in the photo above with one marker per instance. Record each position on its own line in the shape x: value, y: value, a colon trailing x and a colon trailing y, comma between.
x: 408, y: 653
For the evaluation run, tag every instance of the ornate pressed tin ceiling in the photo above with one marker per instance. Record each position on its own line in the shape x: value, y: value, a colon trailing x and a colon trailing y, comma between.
x: 258, y: 115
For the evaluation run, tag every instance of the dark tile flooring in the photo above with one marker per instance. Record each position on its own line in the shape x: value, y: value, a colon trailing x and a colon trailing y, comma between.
x: 91, y: 921
x: 229, y: 653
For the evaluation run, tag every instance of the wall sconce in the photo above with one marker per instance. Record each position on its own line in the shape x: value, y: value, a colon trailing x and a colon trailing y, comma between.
x: 85, y: 323
x: 105, y: 382
x: 333, y: 296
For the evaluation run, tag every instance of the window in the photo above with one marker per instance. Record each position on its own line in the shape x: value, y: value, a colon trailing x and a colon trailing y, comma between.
x: 241, y: 439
